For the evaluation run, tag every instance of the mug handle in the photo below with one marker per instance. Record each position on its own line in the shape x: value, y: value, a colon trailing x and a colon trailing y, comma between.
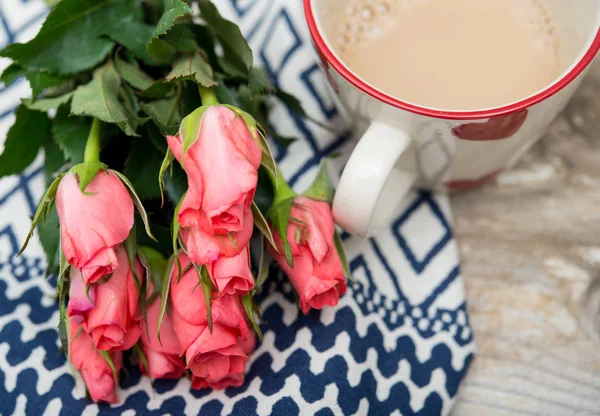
x: 372, y: 188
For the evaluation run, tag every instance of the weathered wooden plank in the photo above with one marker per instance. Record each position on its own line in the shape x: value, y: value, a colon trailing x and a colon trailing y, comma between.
x: 530, y: 246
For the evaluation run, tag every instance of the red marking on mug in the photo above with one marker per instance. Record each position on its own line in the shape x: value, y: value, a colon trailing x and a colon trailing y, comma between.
x: 325, y: 66
x: 496, y: 128
x: 464, y: 184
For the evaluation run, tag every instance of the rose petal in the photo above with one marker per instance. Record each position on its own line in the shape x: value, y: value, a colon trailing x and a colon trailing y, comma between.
x: 93, y: 222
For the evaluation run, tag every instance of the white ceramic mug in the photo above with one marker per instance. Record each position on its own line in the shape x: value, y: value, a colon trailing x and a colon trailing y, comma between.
x: 406, y: 145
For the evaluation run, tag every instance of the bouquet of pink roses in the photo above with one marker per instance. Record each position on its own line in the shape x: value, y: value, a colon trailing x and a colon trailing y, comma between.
x: 151, y: 116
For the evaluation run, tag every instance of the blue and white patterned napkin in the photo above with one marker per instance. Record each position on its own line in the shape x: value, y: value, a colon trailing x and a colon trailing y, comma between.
x: 399, y: 342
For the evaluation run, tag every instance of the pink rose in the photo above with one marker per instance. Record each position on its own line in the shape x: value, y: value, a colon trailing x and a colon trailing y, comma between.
x: 222, y: 171
x: 162, y: 356
x: 96, y: 372
x: 212, y: 367
x: 317, y: 275
x: 211, y: 356
x: 93, y: 225
x: 203, y: 250
x: 232, y: 275
x: 112, y: 322
x: 188, y: 311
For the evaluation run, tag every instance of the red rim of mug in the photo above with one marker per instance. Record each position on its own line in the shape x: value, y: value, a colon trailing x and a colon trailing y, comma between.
x: 552, y: 89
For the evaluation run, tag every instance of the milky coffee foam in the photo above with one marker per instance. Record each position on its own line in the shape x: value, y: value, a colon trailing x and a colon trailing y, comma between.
x: 450, y: 54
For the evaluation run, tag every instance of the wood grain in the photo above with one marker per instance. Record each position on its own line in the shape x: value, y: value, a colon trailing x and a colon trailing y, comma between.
x: 530, y: 248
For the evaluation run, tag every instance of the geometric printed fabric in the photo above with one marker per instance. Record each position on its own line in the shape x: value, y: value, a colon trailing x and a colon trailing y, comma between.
x: 399, y: 342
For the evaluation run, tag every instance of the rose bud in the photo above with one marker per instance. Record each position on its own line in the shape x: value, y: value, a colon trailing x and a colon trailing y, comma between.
x: 93, y: 224
x: 222, y: 171
x: 318, y: 274
x: 189, y: 318
x: 162, y: 356
x: 209, y: 375
x: 112, y: 322
x: 95, y: 370
x: 232, y: 275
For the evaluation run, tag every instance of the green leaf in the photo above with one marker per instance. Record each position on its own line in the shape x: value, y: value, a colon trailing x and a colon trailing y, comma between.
x: 268, y: 160
x: 231, y: 69
x: 157, y: 90
x: 156, y: 137
x: 156, y: 263
x: 136, y: 201
x: 39, y: 81
x: 264, y: 264
x: 283, y: 141
x: 11, y: 74
x: 260, y: 82
x: 175, y: 184
x: 49, y: 235
x: 72, y: 38
x: 130, y: 245
x: 161, y: 232
x: 162, y: 52
x: 131, y: 103
x: 100, y: 99
x: 165, y: 114
x: 164, y: 292
x: 140, y: 353
x: 192, y: 67
x: 54, y: 159
x: 135, y: 36
x: 321, y: 188
x: 71, y: 133
x: 205, y: 39
x: 234, y: 44
x: 142, y: 167
x: 175, y: 234
x: 181, y: 38
x: 42, y: 209
x: 51, y: 3
x: 264, y: 195
x: 133, y: 75
x: 207, y: 289
x: 48, y: 231
x: 62, y: 288
x: 147, y: 272
x: 226, y: 95
x: 248, y: 302
x: 174, y: 9
x: 46, y: 104
x: 190, y: 98
x: 339, y: 246
x: 261, y: 223
x: 250, y: 103
x: 106, y: 356
x: 23, y: 140
x: 169, y: 156
x: 280, y: 217
x: 291, y: 102
x: 63, y: 267
x: 86, y: 172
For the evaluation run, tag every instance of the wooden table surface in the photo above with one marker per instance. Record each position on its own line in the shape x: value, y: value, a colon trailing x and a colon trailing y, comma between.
x: 530, y: 247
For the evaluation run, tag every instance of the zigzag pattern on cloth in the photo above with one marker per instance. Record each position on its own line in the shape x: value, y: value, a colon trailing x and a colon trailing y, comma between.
x: 345, y: 354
